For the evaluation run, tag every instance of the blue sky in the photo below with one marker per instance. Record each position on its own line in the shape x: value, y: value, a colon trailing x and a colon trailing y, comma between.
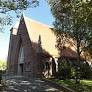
x: 41, y: 13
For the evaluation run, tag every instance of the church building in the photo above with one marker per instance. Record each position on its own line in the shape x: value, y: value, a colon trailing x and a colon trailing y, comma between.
x: 32, y: 49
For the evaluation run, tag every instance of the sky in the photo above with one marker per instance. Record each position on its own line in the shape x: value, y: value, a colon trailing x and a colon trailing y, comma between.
x: 41, y: 13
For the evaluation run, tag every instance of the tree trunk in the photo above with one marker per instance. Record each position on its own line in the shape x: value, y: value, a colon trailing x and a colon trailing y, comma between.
x: 78, y: 62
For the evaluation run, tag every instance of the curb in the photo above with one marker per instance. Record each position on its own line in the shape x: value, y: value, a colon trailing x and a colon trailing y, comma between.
x: 61, y: 87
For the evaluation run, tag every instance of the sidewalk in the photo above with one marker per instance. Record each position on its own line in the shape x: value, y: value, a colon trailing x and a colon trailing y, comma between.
x: 20, y: 84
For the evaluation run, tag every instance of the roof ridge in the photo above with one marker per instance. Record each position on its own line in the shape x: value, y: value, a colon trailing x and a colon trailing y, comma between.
x: 30, y: 19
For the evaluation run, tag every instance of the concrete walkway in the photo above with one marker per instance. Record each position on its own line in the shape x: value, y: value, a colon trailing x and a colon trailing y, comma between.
x: 20, y: 84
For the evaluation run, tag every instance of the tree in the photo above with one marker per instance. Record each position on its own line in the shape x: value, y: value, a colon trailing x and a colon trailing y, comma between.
x: 17, y: 6
x: 74, y: 19
x: 2, y: 65
x: 8, y: 5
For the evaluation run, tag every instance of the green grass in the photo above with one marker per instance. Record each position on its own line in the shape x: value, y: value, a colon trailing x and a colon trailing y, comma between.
x: 84, y: 86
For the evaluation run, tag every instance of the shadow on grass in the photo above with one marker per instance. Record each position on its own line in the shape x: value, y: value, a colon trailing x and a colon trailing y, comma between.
x: 84, y: 86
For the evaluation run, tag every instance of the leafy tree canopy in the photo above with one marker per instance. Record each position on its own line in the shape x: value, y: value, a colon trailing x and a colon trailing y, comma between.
x: 73, y: 17
x: 73, y: 20
x: 6, y: 6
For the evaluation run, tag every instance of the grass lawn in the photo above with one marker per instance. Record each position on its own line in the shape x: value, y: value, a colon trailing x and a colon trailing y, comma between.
x: 84, y: 86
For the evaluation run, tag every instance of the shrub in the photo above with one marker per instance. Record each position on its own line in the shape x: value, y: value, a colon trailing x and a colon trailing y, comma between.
x: 85, y: 71
x: 64, y: 70
x: 68, y: 71
x: 3, y: 65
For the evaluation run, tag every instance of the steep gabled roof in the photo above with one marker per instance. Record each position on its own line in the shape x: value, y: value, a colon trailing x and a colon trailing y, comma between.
x: 47, y: 37
x: 36, y: 29
x: 67, y: 52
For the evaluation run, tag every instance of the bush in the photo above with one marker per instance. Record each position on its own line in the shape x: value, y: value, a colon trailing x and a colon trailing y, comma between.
x: 3, y: 65
x: 85, y: 71
x: 70, y: 71
x: 73, y: 72
x: 64, y: 70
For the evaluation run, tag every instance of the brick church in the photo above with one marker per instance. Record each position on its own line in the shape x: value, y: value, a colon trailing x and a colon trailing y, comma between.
x: 32, y: 49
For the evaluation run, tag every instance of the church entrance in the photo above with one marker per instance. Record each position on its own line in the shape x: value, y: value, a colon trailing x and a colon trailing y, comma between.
x: 21, y: 69
x: 21, y: 61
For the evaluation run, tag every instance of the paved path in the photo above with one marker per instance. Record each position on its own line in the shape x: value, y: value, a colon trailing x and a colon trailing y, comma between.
x: 30, y: 85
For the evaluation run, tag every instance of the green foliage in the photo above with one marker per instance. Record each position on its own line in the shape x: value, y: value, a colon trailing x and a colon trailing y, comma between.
x: 73, y: 17
x: 2, y: 65
x: 64, y: 71
x: 68, y: 70
x: 73, y: 72
x: 84, y: 86
x: 85, y: 71
x: 8, y: 6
